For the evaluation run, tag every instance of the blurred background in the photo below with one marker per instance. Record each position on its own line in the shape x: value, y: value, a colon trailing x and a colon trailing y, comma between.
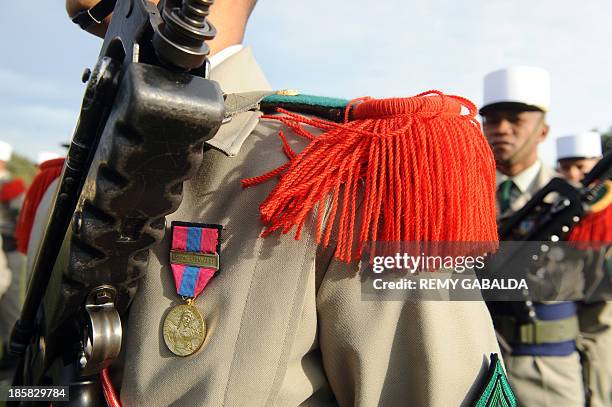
x: 341, y: 48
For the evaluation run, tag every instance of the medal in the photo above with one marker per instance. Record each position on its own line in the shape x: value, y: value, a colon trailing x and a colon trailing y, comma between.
x: 194, y: 259
x: 184, y: 330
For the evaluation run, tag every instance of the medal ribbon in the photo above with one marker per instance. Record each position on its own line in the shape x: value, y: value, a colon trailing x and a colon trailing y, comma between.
x: 190, y: 280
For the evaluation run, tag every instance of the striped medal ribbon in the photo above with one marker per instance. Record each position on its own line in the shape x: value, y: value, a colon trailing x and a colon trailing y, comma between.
x: 194, y: 259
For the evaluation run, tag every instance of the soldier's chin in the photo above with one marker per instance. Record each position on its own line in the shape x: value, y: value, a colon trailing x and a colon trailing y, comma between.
x: 502, y: 154
x: 503, y: 159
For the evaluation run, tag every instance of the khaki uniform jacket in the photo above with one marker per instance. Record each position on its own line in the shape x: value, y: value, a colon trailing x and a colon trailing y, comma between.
x: 542, y: 178
x: 286, y: 323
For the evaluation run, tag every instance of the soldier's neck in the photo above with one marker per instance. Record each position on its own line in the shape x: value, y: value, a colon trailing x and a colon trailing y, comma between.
x: 230, y: 21
x: 512, y: 169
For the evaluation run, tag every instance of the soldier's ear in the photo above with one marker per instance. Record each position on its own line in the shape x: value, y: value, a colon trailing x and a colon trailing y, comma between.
x: 544, y: 132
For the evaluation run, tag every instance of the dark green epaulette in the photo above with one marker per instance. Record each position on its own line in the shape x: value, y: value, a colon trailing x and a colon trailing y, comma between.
x: 327, y: 108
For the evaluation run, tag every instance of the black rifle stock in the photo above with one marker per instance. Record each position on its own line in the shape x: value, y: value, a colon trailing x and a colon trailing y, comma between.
x: 147, y: 111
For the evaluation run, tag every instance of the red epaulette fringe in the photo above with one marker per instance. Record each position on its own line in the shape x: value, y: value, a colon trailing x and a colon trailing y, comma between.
x: 48, y: 172
x: 425, y: 168
x: 12, y: 189
x: 595, y: 228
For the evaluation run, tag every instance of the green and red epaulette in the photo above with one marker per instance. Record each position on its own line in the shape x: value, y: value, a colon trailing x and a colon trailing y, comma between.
x: 421, y: 166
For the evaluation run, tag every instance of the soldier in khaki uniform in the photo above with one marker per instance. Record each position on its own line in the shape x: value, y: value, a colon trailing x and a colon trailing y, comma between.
x: 287, y: 325
x: 11, y: 197
x: 514, y: 116
x: 577, y: 154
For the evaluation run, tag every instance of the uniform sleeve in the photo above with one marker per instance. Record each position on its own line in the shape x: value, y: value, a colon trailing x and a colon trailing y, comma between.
x: 598, y: 275
x: 427, y: 353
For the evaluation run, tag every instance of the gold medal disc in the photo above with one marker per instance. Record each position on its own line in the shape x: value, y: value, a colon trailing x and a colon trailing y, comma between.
x: 184, y: 330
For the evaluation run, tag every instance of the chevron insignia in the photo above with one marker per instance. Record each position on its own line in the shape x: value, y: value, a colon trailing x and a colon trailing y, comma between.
x: 496, y: 391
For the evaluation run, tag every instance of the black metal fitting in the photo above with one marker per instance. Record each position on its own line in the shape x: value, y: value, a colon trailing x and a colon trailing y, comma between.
x: 181, y: 39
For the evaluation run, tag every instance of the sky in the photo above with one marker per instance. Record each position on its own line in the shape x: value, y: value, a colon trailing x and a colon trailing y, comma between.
x: 337, y: 48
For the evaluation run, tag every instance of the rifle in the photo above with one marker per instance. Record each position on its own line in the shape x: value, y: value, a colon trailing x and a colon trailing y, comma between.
x: 554, y: 221
x: 146, y: 113
x: 549, y: 216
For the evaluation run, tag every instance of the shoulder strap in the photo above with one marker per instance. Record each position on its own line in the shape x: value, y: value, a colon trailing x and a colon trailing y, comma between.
x: 270, y: 101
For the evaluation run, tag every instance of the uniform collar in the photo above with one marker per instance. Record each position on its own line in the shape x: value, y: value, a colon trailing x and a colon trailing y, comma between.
x: 522, y: 180
x: 219, y: 57
x: 236, y: 71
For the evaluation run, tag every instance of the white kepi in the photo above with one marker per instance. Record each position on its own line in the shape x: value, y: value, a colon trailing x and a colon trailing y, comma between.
x: 581, y: 145
x: 524, y: 85
x: 5, y: 151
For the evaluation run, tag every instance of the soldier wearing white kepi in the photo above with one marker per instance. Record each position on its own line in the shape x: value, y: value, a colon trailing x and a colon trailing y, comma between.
x: 577, y: 154
x: 543, y: 372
